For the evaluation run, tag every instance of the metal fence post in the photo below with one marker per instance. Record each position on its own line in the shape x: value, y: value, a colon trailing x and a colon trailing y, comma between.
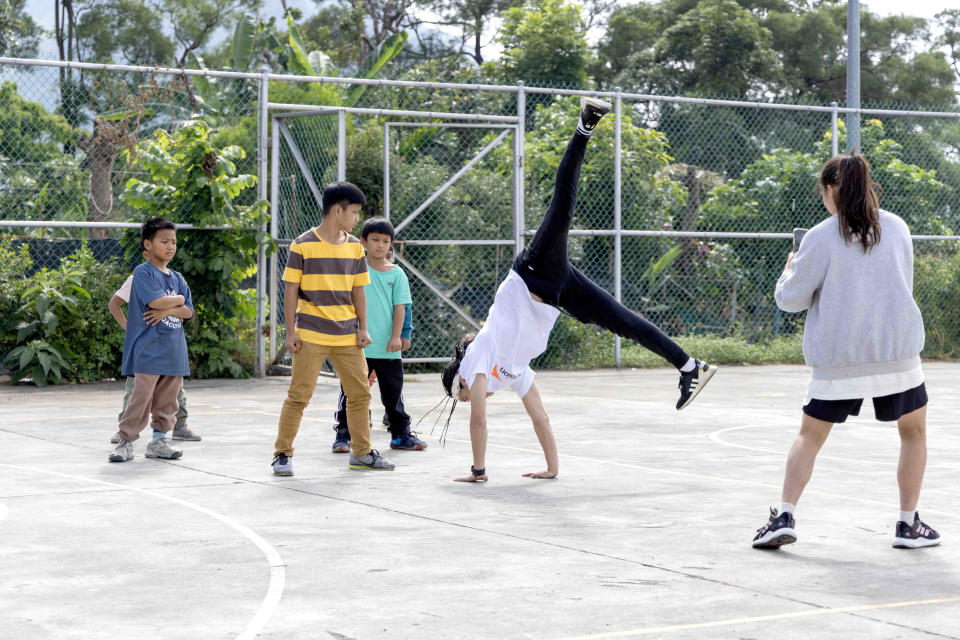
x: 386, y: 170
x: 835, y: 130
x: 519, y: 217
x: 262, y: 101
x: 853, y: 75
x: 275, y: 233
x: 617, y: 213
x: 341, y: 145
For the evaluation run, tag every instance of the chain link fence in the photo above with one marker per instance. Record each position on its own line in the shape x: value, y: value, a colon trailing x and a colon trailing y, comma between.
x: 684, y: 212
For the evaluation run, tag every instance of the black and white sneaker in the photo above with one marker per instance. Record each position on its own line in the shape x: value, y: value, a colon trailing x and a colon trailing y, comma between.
x: 591, y: 110
x: 777, y: 532
x: 916, y: 535
x: 692, y: 382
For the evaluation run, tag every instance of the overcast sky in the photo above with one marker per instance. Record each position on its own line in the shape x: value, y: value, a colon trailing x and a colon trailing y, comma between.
x: 42, y: 12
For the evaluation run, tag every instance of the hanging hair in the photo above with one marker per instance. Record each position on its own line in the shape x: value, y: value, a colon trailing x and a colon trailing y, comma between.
x: 856, y: 197
x: 447, y: 378
x: 452, y: 368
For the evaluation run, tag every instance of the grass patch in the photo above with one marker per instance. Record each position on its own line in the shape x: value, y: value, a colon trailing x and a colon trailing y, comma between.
x: 720, y: 350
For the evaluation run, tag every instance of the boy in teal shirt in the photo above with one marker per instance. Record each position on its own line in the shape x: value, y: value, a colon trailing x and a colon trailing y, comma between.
x: 388, y: 299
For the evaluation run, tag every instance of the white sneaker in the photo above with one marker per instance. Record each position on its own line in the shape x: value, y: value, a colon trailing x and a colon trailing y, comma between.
x: 162, y: 449
x: 123, y: 452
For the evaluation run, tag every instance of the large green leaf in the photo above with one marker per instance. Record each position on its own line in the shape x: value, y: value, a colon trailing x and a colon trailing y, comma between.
x: 320, y: 63
x: 243, y: 39
x: 26, y: 357
x: 298, y: 62
x: 378, y: 58
x: 204, y: 87
x: 44, y: 359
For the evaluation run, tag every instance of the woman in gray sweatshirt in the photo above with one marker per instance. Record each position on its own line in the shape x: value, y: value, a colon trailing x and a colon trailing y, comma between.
x: 853, y: 275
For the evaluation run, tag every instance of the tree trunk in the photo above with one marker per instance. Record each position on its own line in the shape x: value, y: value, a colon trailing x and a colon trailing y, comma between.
x: 101, y: 150
x: 692, y: 182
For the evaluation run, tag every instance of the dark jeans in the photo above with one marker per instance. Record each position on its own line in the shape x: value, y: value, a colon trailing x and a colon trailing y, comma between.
x: 544, y: 267
x: 390, y: 379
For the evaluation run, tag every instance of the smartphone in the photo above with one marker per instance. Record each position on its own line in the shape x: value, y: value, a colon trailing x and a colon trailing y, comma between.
x: 798, y: 234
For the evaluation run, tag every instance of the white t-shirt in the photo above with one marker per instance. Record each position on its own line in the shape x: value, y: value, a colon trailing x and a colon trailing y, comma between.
x: 124, y: 291
x: 516, y: 331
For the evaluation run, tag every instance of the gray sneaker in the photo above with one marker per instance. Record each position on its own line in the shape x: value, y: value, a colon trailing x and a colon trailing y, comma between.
x: 116, y: 438
x: 282, y: 465
x: 186, y: 433
x: 371, y: 461
x: 161, y: 449
x: 123, y: 452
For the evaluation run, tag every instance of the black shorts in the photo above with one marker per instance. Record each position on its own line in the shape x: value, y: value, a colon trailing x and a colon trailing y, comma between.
x: 887, y: 408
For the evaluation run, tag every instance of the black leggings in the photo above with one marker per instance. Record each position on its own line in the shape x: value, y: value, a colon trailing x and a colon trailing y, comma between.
x: 544, y: 267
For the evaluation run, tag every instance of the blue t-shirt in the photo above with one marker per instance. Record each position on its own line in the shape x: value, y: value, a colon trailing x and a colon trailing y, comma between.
x: 160, y: 349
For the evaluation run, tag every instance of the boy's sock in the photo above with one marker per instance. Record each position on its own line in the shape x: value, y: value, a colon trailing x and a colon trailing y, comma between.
x: 158, y: 435
x: 689, y: 366
x: 786, y: 507
x: 907, y: 516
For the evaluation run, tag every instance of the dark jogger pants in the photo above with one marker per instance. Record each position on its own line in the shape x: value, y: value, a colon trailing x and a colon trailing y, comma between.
x: 390, y: 378
x: 546, y: 270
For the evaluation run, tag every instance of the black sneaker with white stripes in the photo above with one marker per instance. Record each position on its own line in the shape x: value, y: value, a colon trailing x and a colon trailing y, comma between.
x: 777, y: 532
x: 692, y: 382
x: 916, y: 535
x: 591, y: 110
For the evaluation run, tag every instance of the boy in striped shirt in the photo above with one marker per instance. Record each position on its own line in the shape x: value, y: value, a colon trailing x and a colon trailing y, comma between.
x: 325, y: 309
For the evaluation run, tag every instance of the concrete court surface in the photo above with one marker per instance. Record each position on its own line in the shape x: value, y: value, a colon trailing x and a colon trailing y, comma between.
x: 645, y: 533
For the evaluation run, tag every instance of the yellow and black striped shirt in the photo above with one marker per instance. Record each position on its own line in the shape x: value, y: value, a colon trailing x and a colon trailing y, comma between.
x: 326, y: 273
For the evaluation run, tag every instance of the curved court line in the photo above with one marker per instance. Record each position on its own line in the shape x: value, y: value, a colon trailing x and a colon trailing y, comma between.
x: 747, y: 620
x: 715, y: 436
x: 277, y: 566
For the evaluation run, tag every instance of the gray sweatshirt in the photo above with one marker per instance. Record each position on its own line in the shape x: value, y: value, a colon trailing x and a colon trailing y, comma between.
x: 862, y: 319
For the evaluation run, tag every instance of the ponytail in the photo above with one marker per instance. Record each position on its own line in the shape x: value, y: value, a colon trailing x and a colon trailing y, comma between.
x: 855, y: 196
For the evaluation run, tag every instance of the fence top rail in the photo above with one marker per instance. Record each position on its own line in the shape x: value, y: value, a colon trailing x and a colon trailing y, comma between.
x: 396, y: 113
x: 646, y: 233
x: 81, y: 224
x: 376, y: 82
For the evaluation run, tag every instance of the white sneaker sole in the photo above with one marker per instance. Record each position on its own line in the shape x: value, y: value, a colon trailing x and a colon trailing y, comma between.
x: 595, y: 102
x: 705, y: 377
x: 172, y: 456
x: 911, y: 543
x: 775, y: 539
x: 282, y: 473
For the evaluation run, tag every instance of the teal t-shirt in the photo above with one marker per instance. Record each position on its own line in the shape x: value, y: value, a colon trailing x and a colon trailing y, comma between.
x: 386, y: 289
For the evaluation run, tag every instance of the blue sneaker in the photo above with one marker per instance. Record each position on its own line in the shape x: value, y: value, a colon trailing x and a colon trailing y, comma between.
x: 408, y: 441
x: 341, y: 443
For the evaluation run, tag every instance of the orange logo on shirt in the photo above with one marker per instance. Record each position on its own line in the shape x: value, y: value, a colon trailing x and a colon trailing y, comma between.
x: 495, y: 374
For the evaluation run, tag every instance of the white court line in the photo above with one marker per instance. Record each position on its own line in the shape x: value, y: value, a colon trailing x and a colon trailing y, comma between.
x: 715, y: 436
x: 277, y: 566
x: 747, y: 620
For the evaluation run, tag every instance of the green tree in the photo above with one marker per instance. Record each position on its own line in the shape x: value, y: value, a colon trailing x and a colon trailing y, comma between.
x: 472, y: 18
x: 37, y: 180
x: 187, y: 179
x: 544, y: 44
x: 715, y: 48
x: 19, y: 32
x: 135, y: 36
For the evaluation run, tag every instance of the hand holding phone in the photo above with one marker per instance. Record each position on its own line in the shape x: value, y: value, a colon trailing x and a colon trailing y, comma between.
x: 798, y: 234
